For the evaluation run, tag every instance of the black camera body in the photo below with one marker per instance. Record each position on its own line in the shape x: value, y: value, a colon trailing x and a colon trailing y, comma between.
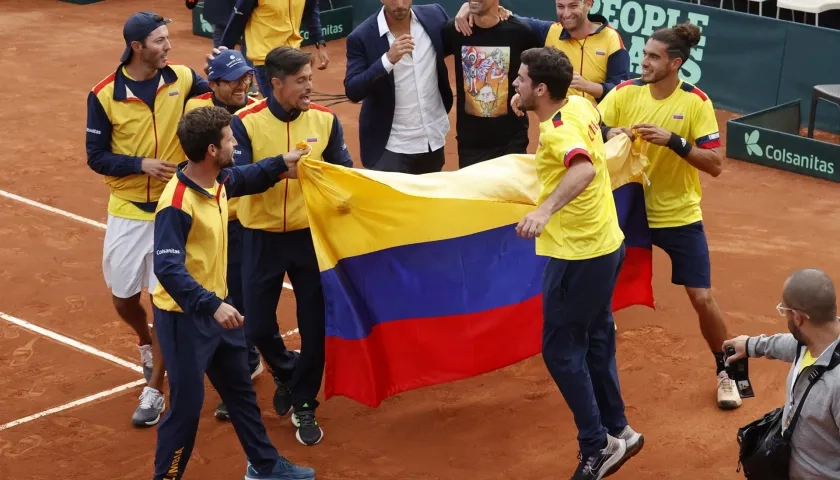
x: 739, y: 371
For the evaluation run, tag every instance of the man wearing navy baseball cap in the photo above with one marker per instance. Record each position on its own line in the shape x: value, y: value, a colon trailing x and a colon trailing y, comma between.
x: 230, y: 77
x: 131, y: 140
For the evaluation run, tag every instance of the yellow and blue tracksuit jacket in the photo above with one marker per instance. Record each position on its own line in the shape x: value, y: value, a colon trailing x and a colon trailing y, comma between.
x: 265, y: 130
x: 191, y: 235
x: 600, y: 57
x: 207, y: 100
x: 129, y: 120
x: 268, y: 24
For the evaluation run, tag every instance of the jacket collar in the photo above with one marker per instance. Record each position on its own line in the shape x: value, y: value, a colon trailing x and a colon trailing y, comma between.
x: 183, y: 178
x: 167, y: 76
x: 594, y: 18
x: 279, y: 112
x: 382, y: 23
x: 230, y: 108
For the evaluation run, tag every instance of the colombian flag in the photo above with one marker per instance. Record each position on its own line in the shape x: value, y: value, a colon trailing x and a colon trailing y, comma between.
x: 425, y: 279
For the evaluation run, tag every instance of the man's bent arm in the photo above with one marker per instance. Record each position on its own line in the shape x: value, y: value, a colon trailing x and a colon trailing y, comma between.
x: 253, y: 178
x: 579, y: 174
x: 100, y: 158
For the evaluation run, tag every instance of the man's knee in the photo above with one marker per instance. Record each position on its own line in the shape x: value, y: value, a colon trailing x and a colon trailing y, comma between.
x: 701, y: 299
x: 127, y: 307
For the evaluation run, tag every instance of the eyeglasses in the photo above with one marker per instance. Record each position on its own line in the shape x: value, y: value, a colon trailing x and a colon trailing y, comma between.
x: 782, y: 310
x: 246, y: 81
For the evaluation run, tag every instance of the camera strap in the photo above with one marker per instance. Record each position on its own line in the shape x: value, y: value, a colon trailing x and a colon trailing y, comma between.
x: 813, y: 378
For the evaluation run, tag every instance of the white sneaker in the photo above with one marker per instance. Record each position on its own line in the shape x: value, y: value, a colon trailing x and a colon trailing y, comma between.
x: 728, y: 397
x: 152, y: 404
x: 257, y: 371
x: 146, y: 361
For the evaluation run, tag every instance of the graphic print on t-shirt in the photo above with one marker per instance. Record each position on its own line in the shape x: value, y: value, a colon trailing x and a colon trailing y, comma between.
x: 485, y: 80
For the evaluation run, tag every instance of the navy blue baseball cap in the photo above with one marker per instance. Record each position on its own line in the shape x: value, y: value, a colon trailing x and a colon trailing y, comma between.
x: 137, y: 27
x: 229, y: 65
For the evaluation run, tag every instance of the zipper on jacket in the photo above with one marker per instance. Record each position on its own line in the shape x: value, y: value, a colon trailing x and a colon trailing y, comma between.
x: 286, y: 192
x: 224, y: 231
x: 149, y: 180
x: 582, y: 58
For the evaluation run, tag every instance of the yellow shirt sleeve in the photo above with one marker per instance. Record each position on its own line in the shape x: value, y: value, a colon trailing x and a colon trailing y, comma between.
x: 704, y: 127
x: 565, y: 143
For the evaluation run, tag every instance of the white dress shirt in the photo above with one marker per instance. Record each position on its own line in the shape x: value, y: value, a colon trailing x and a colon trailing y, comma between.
x: 420, y: 119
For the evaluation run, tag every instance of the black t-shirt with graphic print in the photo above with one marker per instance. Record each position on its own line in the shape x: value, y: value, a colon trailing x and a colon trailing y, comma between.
x: 486, y: 64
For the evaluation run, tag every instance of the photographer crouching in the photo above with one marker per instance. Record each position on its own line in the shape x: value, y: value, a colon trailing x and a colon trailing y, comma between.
x: 800, y: 441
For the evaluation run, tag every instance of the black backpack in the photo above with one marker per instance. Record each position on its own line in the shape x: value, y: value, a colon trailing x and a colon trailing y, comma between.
x: 764, y: 449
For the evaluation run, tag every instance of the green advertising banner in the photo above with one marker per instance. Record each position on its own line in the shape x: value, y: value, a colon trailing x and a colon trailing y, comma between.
x: 771, y: 138
x: 201, y: 27
x: 732, y: 80
x: 335, y: 24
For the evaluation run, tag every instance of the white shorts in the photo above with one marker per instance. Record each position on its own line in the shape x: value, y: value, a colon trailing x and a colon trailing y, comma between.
x: 127, y: 258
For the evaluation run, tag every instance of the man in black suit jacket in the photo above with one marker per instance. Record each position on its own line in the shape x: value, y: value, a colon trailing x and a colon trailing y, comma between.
x: 395, y: 67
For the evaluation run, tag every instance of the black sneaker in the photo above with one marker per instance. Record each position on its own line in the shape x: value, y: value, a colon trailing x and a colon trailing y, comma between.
x: 282, y: 398
x: 222, y: 412
x: 600, y: 465
x: 308, y: 430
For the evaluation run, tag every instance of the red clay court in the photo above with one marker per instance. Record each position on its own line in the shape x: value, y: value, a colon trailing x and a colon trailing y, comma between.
x: 509, y: 424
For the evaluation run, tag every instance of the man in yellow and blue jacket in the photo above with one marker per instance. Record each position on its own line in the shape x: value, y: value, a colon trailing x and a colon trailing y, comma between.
x: 268, y: 24
x: 230, y: 76
x: 132, y: 116
x: 594, y: 48
x: 199, y: 331
x: 277, y: 238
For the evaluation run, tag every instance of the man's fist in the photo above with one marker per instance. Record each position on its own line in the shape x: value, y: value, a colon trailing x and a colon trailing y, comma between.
x: 402, y: 46
x: 159, y: 169
x: 228, y: 317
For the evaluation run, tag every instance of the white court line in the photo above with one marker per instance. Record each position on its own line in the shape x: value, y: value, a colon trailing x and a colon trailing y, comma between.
x: 85, y: 348
x: 73, y: 343
x: 48, y: 208
x: 33, y: 203
x: 76, y: 403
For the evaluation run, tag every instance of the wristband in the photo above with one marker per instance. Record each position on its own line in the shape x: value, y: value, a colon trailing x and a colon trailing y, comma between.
x: 679, y: 145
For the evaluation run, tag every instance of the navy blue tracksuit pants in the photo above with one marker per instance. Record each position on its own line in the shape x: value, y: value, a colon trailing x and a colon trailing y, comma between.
x: 579, y: 344
x: 193, y: 346
x: 234, y: 281
x: 267, y: 258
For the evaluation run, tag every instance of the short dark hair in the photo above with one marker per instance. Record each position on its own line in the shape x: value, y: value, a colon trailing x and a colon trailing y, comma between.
x: 551, y: 67
x: 200, y: 128
x: 811, y: 291
x: 283, y: 61
x: 679, y: 39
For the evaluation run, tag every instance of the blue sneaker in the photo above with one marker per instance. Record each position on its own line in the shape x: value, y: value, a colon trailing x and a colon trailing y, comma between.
x: 283, y: 470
